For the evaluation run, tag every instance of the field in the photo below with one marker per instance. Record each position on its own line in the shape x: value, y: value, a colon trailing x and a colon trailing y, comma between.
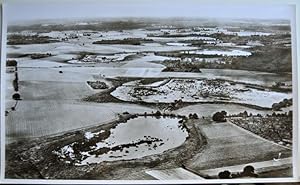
x: 230, y: 145
x: 59, y: 117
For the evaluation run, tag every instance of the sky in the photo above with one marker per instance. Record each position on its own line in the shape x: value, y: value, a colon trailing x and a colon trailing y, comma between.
x: 28, y: 10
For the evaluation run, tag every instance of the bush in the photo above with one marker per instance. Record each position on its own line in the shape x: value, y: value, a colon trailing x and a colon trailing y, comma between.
x: 283, y: 103
x: 193, y: 116
x: 39, y: 55
x: 11, y: 63
x: 15, y: 85
x: 224, y: 112
x: 15, y: 82
x: 158, y: 113
x: 97, y: 85
x: 219, y: 117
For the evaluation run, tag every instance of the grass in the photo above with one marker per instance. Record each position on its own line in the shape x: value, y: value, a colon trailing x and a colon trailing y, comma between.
x: 46, y: 117
x: 53, y: 75
x: 53, y: 90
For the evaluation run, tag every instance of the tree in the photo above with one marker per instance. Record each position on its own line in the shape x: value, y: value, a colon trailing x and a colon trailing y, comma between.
x: 16, y: 96
x: 290, y: 114
x: 219, y: 117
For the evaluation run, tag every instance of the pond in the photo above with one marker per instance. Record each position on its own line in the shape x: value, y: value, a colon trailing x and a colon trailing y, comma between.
x: 178, y: 44
x: 138, y: 137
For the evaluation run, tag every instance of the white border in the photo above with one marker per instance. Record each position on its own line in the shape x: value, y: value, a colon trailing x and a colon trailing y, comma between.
x: 296, y: 85
x: 296, y: 112
x: 3, y: 64
x: 210, y: 181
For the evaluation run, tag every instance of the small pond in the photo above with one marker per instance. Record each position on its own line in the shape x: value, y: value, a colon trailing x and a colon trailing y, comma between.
x: 138, y: 137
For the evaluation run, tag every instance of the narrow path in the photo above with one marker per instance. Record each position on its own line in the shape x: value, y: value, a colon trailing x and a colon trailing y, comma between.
x: 174, y: 174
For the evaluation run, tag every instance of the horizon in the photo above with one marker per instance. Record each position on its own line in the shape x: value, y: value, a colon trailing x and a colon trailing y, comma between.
x: 124, y: 19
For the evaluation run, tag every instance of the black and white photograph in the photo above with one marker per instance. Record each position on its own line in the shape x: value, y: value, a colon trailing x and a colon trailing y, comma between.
x: 159, y: 91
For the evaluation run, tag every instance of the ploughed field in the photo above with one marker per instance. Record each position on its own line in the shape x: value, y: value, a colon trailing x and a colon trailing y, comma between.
x: 108, y: 103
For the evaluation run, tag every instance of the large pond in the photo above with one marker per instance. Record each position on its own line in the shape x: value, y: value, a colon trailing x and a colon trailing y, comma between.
x: 196, y: 90
x: 138, y: 137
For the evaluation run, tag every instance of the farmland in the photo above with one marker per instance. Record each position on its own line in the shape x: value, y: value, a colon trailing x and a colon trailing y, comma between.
x: 136, y: 99
x: 232, y: 142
